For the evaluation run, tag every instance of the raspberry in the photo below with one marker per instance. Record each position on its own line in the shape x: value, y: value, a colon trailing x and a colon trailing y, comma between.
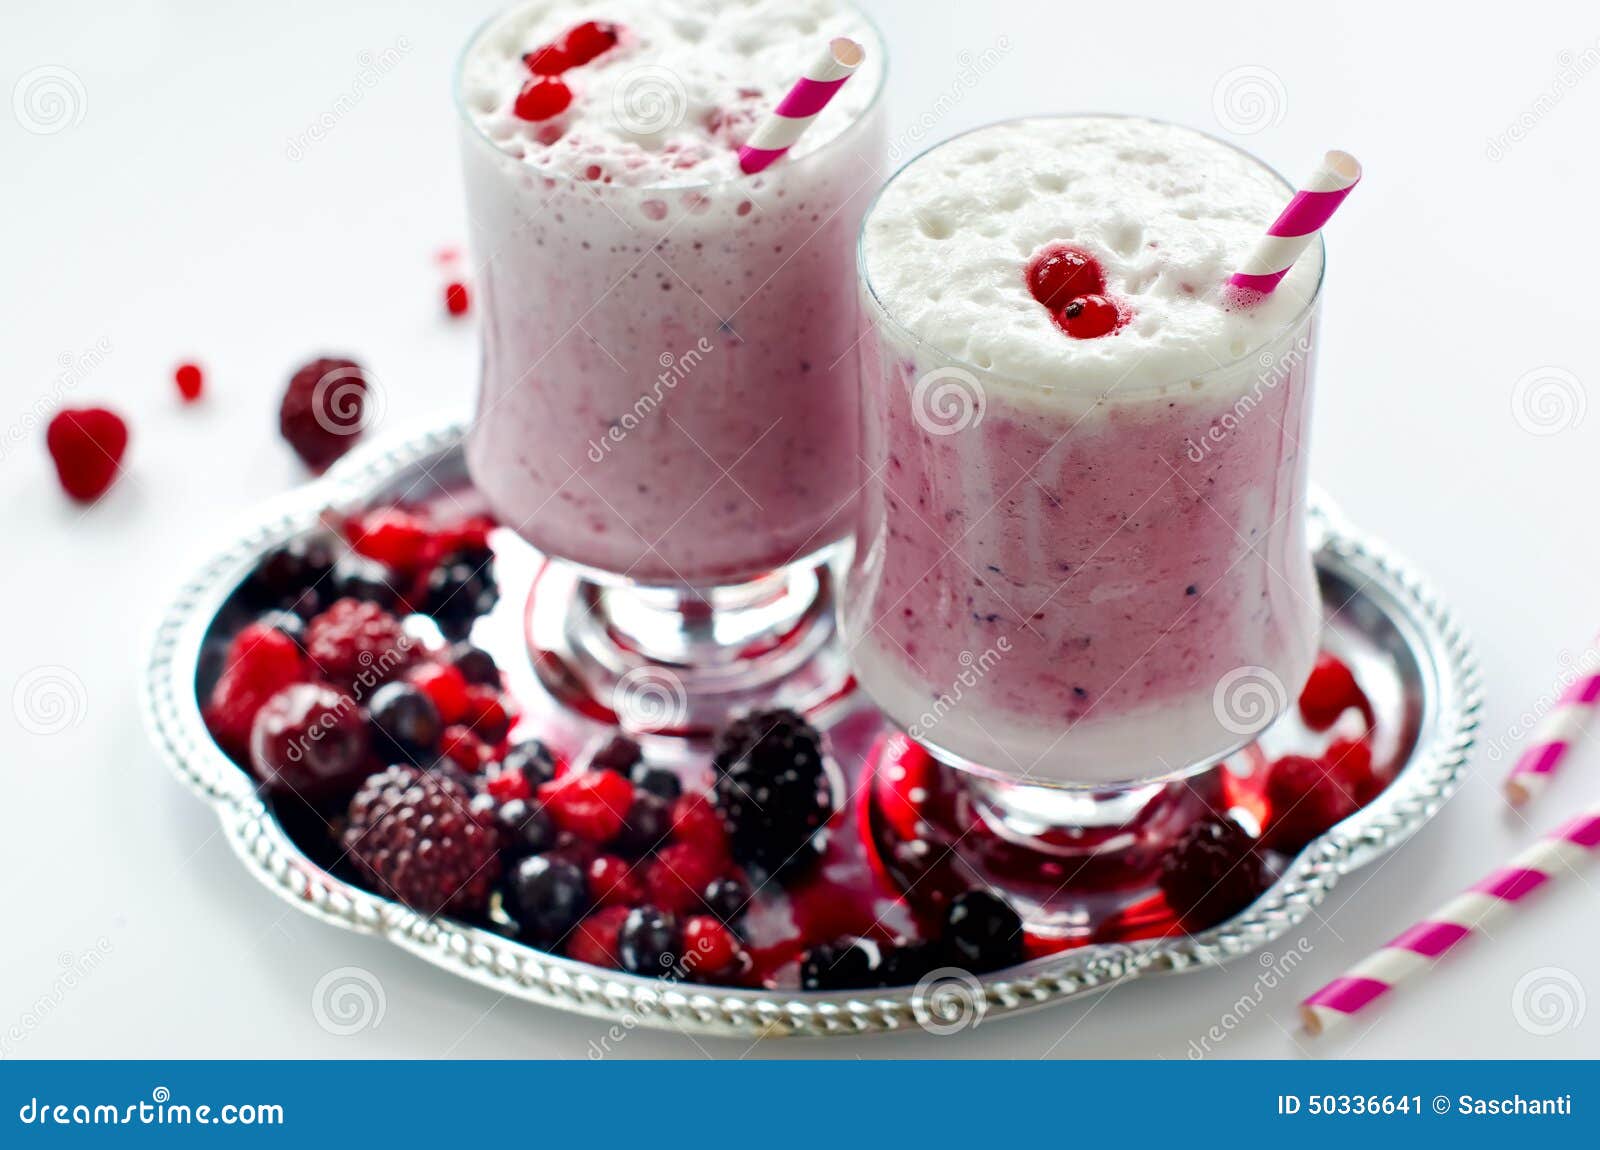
x: 708, y: 946
x: 589, y: 804
x: 190, y: 380
x: 261, y: 661
x: 323, y: 410
x: 446, y: 687
x: 1328, y: 692
x: 393, y: 536
x: 1303, y: 800
x: 613, y: 882
x: 486, y: 714
x: 1059, y: 274
x: 354, y: 642
x: 594, y: 940
x: 1212, y: 873
x: 677, y: 876
x: 1350, y: 761
x: 549, y: 60
x: 456, y: 301
x: 541, y: 99
x: 588, y: 40
x: 414, y: 834
x: 87, y: 445
x: 470, y: 537
x: 772, y: 789
x: 1089, y: 316
x: 696, y: 822
x: 507, y: 785
x: 463, y: 748
x: 310, y: 740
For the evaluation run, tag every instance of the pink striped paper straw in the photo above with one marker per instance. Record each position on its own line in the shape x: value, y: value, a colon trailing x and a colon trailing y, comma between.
x: 1553, y: 738
x: 804, y: 102
x: 1418, y: 948
x: 1298, y: 224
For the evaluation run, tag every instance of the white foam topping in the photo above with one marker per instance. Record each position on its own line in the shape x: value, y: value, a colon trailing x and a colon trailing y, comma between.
x: 668, y: 106
x: 1169, y: 213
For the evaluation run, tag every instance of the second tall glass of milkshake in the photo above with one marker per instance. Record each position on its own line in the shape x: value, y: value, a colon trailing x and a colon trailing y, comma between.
x: 669, y: 402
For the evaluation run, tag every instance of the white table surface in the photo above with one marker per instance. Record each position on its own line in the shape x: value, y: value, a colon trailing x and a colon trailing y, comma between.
x: 170, y: 222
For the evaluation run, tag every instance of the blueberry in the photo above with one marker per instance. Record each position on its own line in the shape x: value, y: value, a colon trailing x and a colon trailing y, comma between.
x: 356, y: 577
x: 524, y: 829
x: 405, y: 722
x: 728, y: 898
x: 548, y: 896
x: 287, y: 570
x: 657, y: 780
x: 533, y: 760
x: 646, y: 825
x: 288, y: 623
x: 476, y: 665
x: 649, y: 942
x: 982, y: 932
x: 459, y: 590
x: 844, y: 964
x: 909, y: 964
x: 619, y: 754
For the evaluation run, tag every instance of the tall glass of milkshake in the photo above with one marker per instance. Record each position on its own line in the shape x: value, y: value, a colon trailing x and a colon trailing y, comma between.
x: 1082, y: 562
x: 669, y: 403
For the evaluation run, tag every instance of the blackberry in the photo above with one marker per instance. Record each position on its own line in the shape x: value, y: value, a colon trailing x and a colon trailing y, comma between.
x: 547, y: 895
x: 982, y: 932
x: 415, y: 836
x: 772, y: 789
x: 844, y: 964
x: 285, y: 571
x: 649, y: 942
x: 1212, y: 872
x: 405, y: 723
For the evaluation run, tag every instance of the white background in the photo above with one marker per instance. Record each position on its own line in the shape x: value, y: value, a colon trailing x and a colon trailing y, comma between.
x: 171, y: 222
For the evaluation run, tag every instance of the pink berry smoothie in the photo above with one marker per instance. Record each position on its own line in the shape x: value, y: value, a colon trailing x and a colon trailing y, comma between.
x: 670, y: 390
x: 1084, y: 561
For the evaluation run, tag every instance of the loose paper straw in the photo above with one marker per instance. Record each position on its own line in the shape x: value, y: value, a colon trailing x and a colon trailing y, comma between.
x: 1417, y: 949
x: 1295, y: 227
x: 811, y: 92
x: 1553, y: 738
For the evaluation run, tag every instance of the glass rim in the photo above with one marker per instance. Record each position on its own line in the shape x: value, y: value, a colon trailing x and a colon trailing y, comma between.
x: 924, y: 346
x: 480, y: 136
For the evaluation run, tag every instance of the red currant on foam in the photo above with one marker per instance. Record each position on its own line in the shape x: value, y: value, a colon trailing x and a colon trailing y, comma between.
x: 1089, y: 316
x: 1059, y: 274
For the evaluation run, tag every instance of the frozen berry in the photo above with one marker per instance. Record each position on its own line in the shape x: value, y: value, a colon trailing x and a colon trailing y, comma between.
x: 678, y: 875
x: 416, y: 836
x: 455, y: 298
x: 909, y: 963
x: 458, y: 591
x: 393, y: 536
x: 532, y: 760
x: 524, y: 828
x: 646, y: 826
x: 324, y: 410
x: 727, y: 898
x: 614, y: 882
x: 355, y: 577
x: 659, y: 781
x: 708, y: 946
x: 287, y: 622
x: 594, y: 941
x: 1059, y: 274
x: 446, y: 687
x: 355, y: 643
x: 505, y: 785
x: 649, y: 942
x: 1089, y: 316
x: 463, y: 748
x: 772, y: 789
x: 695, y: 820
x: 476, y: 665
x: 541, y: 98
x: 588, y: 40
x: 260, y: 662
x: 1212, y: 872
x: 982, y: 932
x: 405, y: 723
x: 548, y: 896
x: 486, y: 715
x: 309, y: 740
x: 190, y: 380
x: 1328, y: 692
x: 591, y: 804
x: 844, y: 964
x: 618, y: 754
x: 87, y: 445
x: 289, y: 569
x: 1303, y: 800
x: 1350, y: 761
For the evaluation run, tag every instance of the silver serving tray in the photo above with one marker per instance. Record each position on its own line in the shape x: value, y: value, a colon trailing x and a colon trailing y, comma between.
x: 1379, y: 613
